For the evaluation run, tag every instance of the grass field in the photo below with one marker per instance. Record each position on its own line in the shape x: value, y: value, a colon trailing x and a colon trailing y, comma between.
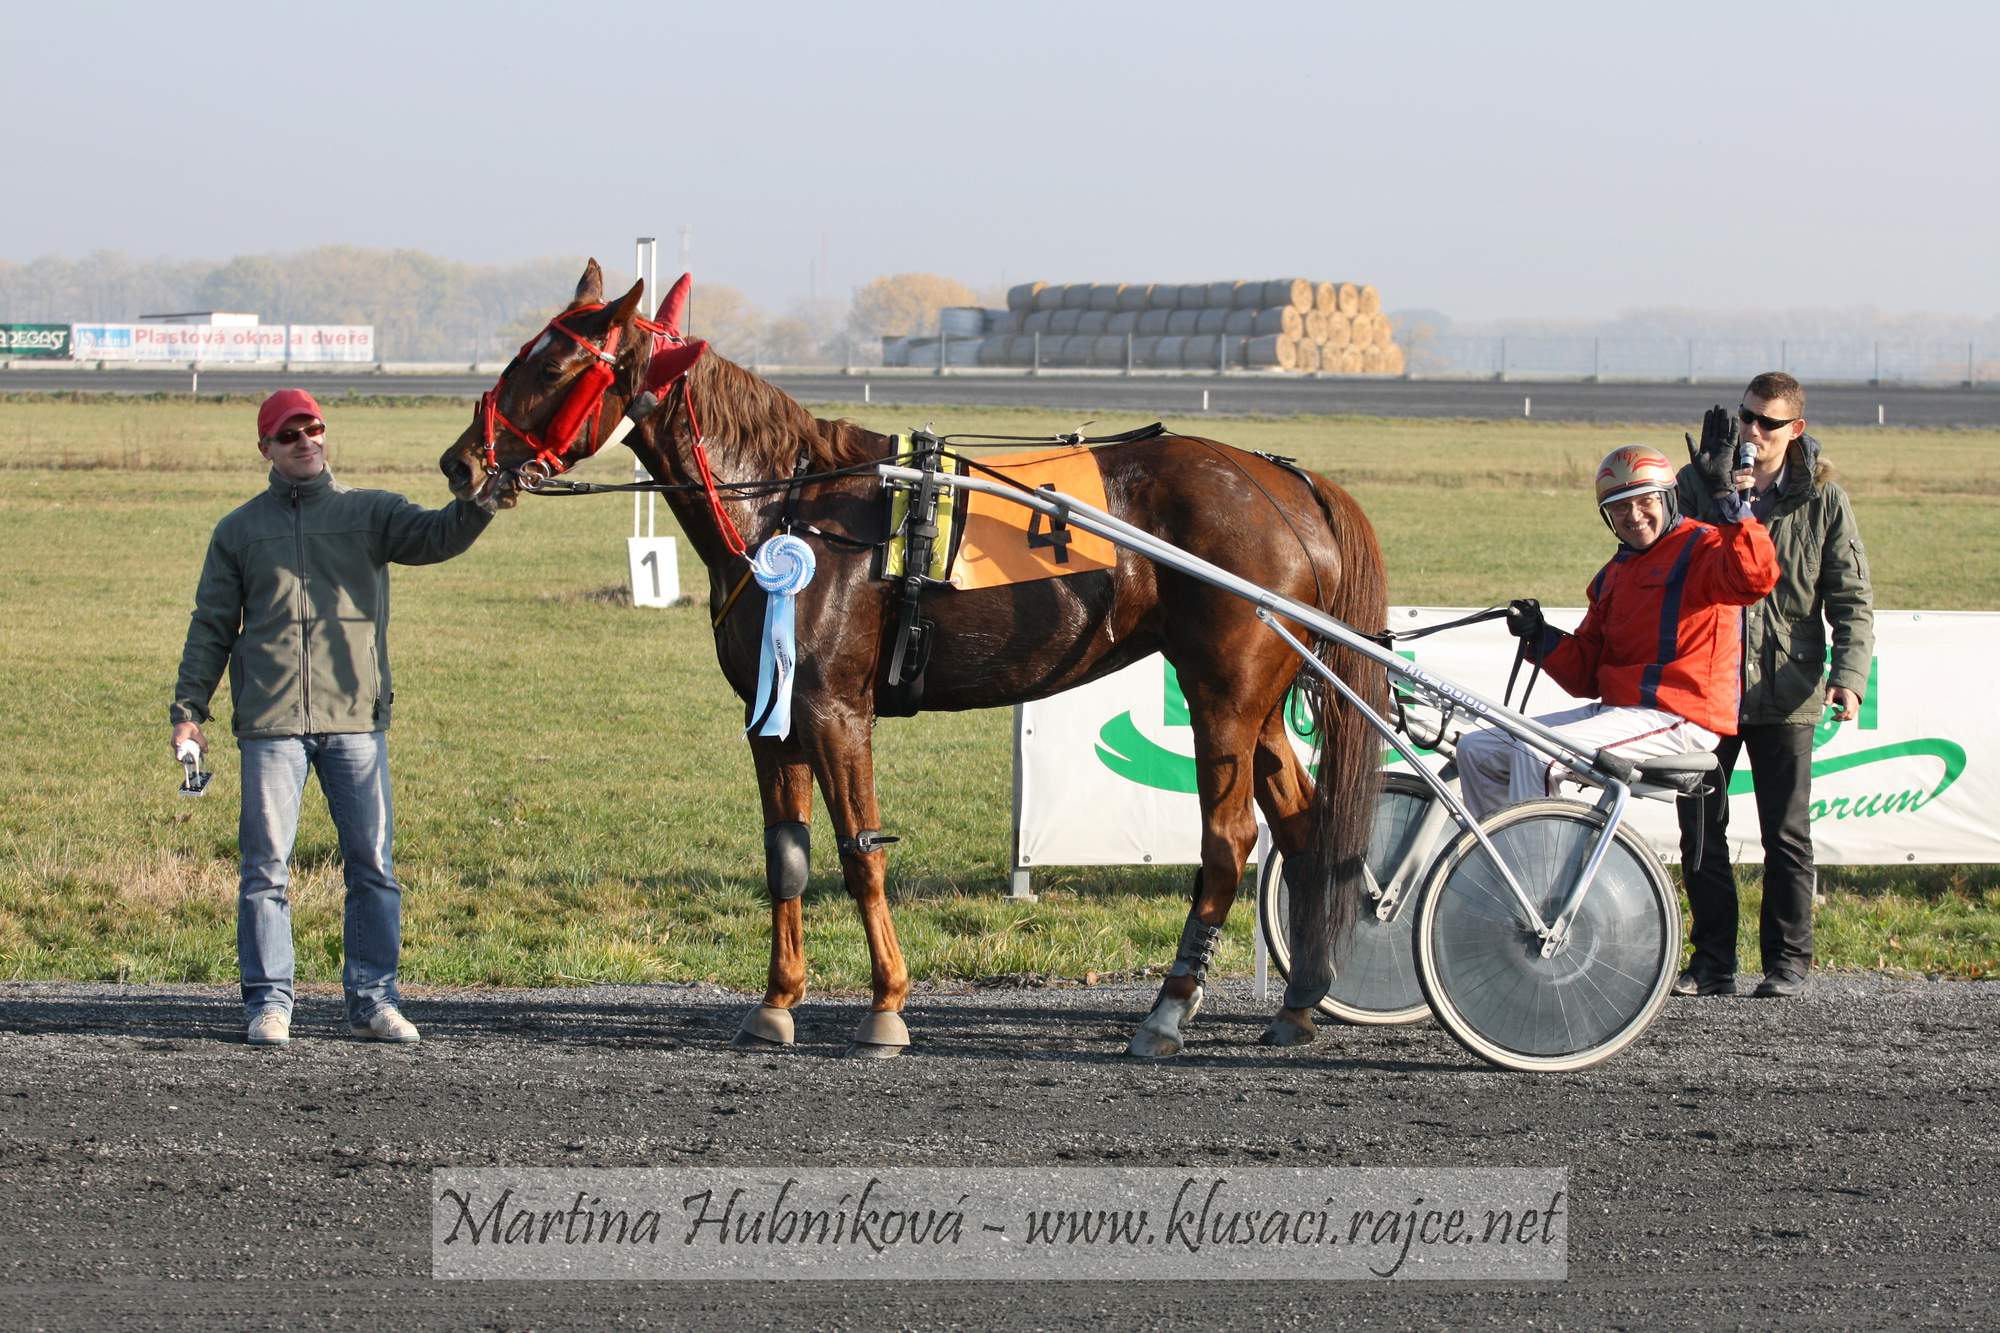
x: 574, y: 799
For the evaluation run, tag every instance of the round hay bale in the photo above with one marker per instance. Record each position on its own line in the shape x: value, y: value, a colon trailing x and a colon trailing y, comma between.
x: 1315, y: 327
x: 1093, y: 321
x: 1294, y: 292
x: 962, y: 321
x: 1135, y: 296
x: 1350, y: 360
x: 1104, y: 295
x: 1075, y: 350
x: 1371, y: 360
x: 1392, y: 360
x: 1021, y: 296
x: 1309, y: 357
x: 1145, y: 353
x: 1049, y: 296
x: 1020, y: 350
x: 962, y: 351
x: 1125, y: 321
x: 1211, y: 321
x: 1064, y: 321
x: 1241, y: 322
x: 1221, y: 295
x: 1200, y: 352
x: 1339, y: 331
x: 1153, y: 323
x: 1163, y: 296
x: 1076, y: 295
x: 1350, y: 299
x: 1371, y: 300
x: 1037, y: 321
x: 1003, y: 321
x: 1192, y: 296
x: 1168, y: 351
x: 993, y: 351
x: 1276, y: 319
x: 1326, y: 298
x: 1108, y: 352
x: 1182, y: 322
x: 1271, y: 351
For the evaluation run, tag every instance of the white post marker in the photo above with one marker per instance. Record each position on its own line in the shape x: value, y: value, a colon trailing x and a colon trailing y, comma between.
x: 1527, y: 407
x: 656, y: 571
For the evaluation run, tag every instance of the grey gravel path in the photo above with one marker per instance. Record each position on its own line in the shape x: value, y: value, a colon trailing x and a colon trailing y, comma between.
x: 1827, y: 1162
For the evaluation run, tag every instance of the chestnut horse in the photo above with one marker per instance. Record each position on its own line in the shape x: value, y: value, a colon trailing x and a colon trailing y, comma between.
x: 1285, y: 530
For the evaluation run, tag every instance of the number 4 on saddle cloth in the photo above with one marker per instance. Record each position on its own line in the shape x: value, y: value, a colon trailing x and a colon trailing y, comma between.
x: 945, y: 539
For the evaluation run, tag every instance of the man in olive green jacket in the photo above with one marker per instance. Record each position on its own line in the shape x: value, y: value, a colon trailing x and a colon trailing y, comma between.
x: 294, y: 602
x: 1823, y: 600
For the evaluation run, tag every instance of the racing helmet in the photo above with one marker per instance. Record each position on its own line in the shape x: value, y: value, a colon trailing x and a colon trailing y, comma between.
x: 1634, y: 469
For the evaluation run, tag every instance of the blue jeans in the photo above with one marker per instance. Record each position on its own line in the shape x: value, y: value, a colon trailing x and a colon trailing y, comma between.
x: 353, y: 772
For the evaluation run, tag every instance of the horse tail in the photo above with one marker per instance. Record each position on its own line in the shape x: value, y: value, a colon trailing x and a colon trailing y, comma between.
x: 1327, y: 891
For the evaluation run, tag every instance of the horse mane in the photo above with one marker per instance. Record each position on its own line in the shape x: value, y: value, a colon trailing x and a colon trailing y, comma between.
x: 767, y: 424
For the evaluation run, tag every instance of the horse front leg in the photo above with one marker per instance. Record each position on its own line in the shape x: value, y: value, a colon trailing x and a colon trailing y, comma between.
x: 784, y: 784
x: 1228, y: 832
x: 845, y: 761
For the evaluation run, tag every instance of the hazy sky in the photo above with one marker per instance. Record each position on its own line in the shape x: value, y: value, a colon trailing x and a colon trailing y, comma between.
x: 1567, y: 160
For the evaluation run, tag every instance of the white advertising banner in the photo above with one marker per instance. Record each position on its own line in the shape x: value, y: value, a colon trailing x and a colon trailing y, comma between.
x: 1106, y: 772
x: 213, y: 344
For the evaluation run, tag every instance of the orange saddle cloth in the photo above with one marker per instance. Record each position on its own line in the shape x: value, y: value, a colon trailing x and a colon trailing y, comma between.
x: 1004, y: 542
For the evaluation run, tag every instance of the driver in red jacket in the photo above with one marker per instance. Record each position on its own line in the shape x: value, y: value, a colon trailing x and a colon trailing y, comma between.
x: 1660, y: 648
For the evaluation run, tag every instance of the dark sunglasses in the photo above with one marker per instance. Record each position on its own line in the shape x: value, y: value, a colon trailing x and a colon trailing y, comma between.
x: 1768, y: 423
x: 293, y: 434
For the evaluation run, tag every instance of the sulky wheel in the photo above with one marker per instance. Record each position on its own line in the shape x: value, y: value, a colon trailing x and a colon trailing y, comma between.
x: 1481, y: 965
x: 1374, y: 979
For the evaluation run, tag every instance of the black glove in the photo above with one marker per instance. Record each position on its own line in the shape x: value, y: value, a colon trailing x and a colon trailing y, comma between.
x: 1524, y: 618
x: 1715, y: 459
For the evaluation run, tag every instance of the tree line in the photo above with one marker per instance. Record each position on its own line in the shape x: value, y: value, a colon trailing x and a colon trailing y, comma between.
x: 425, y: 308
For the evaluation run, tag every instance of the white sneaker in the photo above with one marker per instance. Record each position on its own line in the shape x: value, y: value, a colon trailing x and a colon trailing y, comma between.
x: 386, y: 1024
x: 271, y: 1027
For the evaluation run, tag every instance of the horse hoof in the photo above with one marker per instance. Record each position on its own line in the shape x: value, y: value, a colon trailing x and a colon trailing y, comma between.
x: 1291, y: 1027
x: 1159, y: 1037
x: 763, y: 1028
x: 881, y: 1035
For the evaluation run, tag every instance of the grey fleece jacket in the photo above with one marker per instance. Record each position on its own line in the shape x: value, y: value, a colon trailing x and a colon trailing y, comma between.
x: 294, y: 601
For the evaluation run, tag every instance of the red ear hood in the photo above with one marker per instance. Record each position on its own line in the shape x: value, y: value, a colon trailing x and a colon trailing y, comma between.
x: 671, y: 362
x: 675, y: 305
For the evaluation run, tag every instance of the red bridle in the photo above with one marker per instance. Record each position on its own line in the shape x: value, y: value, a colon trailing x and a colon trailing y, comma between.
x: 585, y: 400
x: 553, y: 449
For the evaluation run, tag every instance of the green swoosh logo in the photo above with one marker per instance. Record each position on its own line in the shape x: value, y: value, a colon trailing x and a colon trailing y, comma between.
x: 1131, y: 756
x: 1951, y: 755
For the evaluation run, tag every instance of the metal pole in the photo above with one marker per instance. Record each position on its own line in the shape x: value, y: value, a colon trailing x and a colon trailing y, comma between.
x: 1503, y: 360
x: 1596, y: 359
x: 1036, y: 369
x: 1128, y: 352
x: 1690, y: 378
x: 1971, y: 367
x: 943, y: 338
x: 1878, y: 362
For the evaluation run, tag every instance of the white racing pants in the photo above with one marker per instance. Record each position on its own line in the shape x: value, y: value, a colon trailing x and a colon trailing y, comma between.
x: 1495, y: 770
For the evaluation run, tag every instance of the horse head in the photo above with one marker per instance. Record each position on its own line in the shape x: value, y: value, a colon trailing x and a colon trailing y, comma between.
x: 556, y: 400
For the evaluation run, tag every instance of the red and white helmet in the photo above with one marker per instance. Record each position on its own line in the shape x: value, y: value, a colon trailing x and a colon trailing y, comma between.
x: 1632, y: 470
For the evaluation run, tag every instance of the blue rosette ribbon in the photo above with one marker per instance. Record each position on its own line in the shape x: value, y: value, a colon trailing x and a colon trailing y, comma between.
x: 782, y: 567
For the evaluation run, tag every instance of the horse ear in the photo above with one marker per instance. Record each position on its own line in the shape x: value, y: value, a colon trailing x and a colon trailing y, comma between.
x: 674, y: 307
x: 589, y: 287
x: 628, y: 305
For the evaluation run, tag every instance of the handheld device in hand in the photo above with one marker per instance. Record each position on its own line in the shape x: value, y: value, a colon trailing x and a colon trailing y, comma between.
x: 194, y: 778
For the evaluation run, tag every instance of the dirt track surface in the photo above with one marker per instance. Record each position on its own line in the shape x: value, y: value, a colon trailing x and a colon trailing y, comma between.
x: 1824, y: 1162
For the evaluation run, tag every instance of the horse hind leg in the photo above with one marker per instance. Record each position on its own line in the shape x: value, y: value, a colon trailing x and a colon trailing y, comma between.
x: 1229, y: 831
x: 1284, y: 791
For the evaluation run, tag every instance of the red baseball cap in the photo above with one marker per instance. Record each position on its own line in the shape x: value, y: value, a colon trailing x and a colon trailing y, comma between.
x: 281, y: 407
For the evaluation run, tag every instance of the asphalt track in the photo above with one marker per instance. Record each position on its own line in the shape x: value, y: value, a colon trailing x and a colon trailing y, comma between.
x: 1177, y: 397
x: 1826, y: 1162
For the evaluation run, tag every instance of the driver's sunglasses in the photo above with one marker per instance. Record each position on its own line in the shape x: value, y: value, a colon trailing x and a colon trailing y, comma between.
x: 293, y: 434
x: 1768, y: 423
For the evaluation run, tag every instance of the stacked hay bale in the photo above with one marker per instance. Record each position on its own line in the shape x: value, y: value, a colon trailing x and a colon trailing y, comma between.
x: 1282, y: 324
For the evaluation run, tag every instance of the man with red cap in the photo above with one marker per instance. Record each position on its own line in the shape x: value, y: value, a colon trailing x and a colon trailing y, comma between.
x: 294, y: 602
x: 1658, y: 648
